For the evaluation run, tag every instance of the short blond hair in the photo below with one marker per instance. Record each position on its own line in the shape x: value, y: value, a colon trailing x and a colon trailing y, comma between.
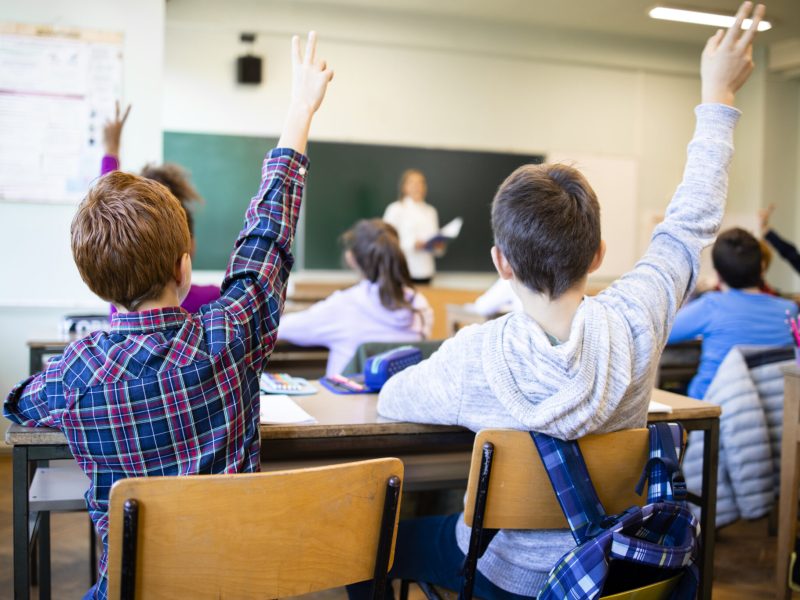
x: 127, y: 238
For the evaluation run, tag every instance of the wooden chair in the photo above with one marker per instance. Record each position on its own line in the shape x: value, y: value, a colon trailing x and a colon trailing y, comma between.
x: 260, y: 535
x: 509, y: 488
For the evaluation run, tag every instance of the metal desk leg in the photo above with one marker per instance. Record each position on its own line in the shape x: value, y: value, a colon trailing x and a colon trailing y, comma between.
x: 92, y: 554
x: 21, y: 513
x: 708, y: 508
x: 44, y: 555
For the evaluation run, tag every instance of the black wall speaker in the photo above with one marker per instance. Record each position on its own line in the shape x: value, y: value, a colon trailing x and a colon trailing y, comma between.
x: 248, y: 69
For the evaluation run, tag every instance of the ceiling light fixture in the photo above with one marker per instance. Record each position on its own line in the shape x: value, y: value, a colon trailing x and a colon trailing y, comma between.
x: 701, y: 18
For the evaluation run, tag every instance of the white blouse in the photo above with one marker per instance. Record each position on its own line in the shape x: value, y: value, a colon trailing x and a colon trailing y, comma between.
x: 415, y: 222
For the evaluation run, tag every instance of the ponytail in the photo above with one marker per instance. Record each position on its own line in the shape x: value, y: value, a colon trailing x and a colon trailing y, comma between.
x: 375, y: 247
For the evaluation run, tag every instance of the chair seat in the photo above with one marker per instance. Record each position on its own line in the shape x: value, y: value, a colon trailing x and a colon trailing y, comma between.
x: 58, y: 488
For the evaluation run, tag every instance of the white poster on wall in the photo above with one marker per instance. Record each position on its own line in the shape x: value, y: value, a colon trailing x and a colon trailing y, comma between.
x: 57, y: 88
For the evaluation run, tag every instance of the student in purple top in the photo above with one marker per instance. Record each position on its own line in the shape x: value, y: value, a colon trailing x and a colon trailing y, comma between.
x: 382, y: 307
x: 176, y: 179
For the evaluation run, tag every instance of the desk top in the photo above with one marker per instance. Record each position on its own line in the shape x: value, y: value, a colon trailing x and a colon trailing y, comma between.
x: 356, y: 415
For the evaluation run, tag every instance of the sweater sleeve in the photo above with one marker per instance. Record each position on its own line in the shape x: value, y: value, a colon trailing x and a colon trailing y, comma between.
x: 315, y: 326
x: 431, y: 391
x: 650, y: 295
x: 786, y: 249
x: 108, y: 164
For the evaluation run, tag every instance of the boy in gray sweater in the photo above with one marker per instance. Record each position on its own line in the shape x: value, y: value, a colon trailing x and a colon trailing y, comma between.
x: 569, y: 365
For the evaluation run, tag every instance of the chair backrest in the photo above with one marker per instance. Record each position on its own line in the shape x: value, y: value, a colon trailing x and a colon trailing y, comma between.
x: 260, y: 535
x: 520, y: 495
x: 367, y: 349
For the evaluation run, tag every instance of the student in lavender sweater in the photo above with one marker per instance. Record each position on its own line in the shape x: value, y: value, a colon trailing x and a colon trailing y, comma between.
x: 569, y: 364
x: 382, y: 307
x: 177, y: 181
x: 740, y: 313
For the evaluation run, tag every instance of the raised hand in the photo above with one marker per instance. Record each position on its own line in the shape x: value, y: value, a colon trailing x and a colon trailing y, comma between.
x: 763, y: 218
x: 112, y: 130
x: 728, y: 57
x: 310, y: 78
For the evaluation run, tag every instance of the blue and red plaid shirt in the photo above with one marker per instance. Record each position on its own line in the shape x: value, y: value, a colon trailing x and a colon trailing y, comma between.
x: 165, y: 392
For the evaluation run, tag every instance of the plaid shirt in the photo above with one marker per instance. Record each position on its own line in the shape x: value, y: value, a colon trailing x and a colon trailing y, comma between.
x: 165, y: 392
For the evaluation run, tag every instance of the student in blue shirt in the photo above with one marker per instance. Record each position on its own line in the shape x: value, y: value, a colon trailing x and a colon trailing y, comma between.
x: 738, y: 314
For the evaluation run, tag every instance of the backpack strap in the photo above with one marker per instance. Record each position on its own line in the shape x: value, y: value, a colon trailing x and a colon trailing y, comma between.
x: 663, y: 469
x: 569, y: 477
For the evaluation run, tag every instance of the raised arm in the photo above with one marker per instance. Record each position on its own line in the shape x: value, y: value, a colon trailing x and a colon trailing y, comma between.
x: 663, y: 278
x: 785, y: 248
x: 112, y: 133
x: 254, y: 287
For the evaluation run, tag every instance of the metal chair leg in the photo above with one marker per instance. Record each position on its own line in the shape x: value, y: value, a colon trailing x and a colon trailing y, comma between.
x: 475, y: 538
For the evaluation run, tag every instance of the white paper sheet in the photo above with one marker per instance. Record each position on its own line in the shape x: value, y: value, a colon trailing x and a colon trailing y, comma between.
x: 452, y: 229
x: 279, y: 409
x: 659, y: 407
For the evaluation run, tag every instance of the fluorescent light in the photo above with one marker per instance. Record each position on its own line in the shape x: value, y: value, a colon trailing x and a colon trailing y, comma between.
x: 702, y: 18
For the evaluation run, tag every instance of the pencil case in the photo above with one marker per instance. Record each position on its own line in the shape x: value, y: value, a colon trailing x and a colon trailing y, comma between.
x: 381, y: 367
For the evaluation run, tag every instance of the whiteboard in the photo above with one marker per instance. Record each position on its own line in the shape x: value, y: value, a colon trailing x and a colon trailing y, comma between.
x: 57, y: 88
x: 614, y: 181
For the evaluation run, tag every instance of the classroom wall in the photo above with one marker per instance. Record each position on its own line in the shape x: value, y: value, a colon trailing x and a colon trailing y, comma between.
x: 454, y: 83
x: 40, y: 282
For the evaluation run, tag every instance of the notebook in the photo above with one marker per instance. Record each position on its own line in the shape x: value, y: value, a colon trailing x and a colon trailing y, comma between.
x: 280, y: 409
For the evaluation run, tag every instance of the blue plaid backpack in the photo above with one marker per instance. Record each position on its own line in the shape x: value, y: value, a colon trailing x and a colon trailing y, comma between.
x: 639, y: 546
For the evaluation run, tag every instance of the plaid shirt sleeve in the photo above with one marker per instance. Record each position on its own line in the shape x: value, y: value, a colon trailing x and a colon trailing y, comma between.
x: 254, y: 287
x: 38, y: 400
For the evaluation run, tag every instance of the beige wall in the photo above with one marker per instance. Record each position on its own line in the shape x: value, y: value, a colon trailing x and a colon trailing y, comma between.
x: 37, y: 268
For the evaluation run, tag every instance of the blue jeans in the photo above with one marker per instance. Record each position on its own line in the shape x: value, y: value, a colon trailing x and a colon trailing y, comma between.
x: 427, y: 551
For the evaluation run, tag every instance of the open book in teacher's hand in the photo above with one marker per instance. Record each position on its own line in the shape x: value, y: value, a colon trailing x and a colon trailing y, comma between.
x: 446, y: 234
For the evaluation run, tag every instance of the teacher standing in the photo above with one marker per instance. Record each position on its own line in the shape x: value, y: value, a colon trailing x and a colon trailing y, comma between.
x: 416, y: 222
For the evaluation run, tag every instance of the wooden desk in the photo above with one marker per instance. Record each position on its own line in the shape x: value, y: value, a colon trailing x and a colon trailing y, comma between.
x: 458, y: 316
x: 349, y: 427
x: 790, y: 477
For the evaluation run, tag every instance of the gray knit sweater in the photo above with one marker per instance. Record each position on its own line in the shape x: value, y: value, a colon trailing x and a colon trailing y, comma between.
x: 505, y: 373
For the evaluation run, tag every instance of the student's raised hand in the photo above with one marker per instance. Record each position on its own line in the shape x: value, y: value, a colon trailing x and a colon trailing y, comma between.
x: 310, y: 78
x: 763, y: 218
x: 728, y: 57
x: 112, y: 130
x: 310, y: 75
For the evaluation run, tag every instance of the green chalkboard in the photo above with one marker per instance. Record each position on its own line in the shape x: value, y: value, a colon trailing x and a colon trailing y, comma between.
x: 352, y: 181
x: 226, y: 170
x: 346, y: 182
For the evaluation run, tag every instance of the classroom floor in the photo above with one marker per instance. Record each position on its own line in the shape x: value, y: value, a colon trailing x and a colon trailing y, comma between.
x: 744, y: 562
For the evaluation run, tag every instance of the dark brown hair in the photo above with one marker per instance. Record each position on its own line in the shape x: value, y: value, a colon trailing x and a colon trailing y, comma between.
x: 737, y: 258
x: 546, y: 221
x: 127, y: 238
x: 375, y: 247
x: 177, y: 180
